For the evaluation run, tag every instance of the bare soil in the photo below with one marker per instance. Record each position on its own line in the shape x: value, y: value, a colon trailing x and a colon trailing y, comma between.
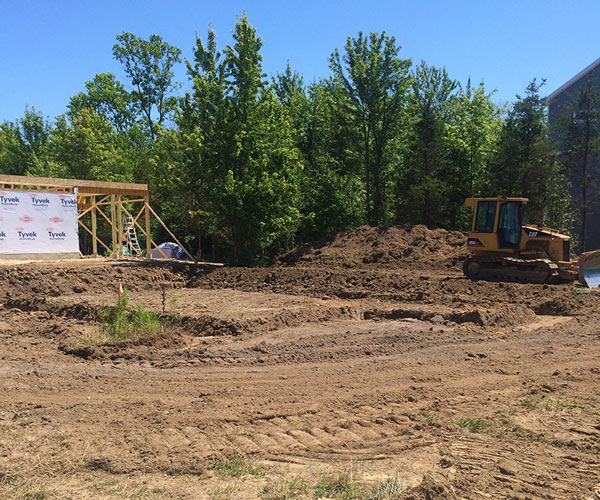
x: 326, y: 365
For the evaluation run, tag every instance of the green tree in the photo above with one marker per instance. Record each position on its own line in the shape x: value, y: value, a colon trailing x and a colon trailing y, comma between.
x: 578, y: 131
x: 472, y: 133
x: 526, y: 163
x: 24, y: 144
x: 331, y: 183
x: 375, y: 81
x: 106, y: 96
x: 423, y: 193
x: 238, y: 142
x: 12, y: 152
x: 149, y: 66
x: 88, y: 147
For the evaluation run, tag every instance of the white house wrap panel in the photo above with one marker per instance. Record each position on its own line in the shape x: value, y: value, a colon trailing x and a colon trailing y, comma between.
x: 38, y: 223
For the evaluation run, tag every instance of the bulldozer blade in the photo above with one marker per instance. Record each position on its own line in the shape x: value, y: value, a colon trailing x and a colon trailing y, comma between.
x: 589, y: 269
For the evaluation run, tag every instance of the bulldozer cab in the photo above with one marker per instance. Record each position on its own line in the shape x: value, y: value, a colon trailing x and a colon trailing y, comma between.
x: 510, y: 221
x: 497, y: 223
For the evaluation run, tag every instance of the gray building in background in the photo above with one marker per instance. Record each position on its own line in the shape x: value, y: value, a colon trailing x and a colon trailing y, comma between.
x: 558, y: 102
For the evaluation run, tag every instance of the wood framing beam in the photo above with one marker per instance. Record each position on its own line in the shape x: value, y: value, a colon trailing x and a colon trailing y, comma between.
x: 147, y: 221
x: 119, y: 226
x: 87, y: 229
x: 169, y: 231
x: 97, y: 204
x: 148, y: 238
x: 27, y: 183
x: 94, y: 227
x: 137, y: 200
x: 113, y: 225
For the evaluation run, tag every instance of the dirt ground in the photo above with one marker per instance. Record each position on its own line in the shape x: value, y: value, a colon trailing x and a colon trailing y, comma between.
x: 324, y: 376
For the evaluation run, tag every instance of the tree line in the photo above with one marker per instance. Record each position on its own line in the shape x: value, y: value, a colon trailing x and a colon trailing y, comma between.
x: 244, y: 166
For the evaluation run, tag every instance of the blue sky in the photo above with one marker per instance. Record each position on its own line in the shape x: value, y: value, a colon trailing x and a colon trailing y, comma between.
x: 50, y: 48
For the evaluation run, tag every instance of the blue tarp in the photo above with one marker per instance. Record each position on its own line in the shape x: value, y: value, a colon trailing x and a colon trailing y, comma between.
x: 171, y: 250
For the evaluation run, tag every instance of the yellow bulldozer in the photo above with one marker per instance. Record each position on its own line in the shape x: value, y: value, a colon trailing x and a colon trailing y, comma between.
x: 503, y: 248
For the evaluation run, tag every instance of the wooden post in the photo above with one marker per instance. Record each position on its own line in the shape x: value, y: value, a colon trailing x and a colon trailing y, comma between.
x: 113, y: 223
x: 120, y: 225
x: 94, y: 228
x: 147, y: 220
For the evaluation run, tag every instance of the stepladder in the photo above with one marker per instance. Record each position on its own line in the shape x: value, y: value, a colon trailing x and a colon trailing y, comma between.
x: 129, y: 244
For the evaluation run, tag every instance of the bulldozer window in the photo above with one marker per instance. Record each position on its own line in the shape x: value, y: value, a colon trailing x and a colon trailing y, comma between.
x: 486, y: 213
x: 509, y: 224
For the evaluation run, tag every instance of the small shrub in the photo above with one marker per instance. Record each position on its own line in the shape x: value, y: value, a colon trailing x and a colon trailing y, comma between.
x: 145, y: 322
x: 118, y: 322
x: 115, y: 320
x: 173, y: 309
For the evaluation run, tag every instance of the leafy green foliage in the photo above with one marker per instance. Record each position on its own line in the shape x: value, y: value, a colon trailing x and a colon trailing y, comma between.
x: 426, y: 177
x: 106, y: 96
x: 24, y: 144
x: 375, y: 82
x: 525, y: 163
x: 149, y: 66
x: 239, y: 151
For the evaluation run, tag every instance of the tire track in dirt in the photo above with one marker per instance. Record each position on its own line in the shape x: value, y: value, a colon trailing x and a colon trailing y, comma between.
x: 358, y: 436
x: 521, y: 468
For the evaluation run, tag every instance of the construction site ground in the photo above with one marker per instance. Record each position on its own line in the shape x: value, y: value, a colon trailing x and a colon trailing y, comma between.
x: 353, y: 368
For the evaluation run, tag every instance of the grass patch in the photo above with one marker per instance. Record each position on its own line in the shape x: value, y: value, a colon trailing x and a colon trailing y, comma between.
x: 545, y: 403
x: 340, y: 486
x: 387, y: 489
x: 285, y: 490
x: 473, y: 424
x: 424, y: 417
x: 24, y: 490
x: 235, y: 467
x: 223, y: 492
x: 174, y: 309
x: 343, y: 486
x: 579, y: 290
x: 350, y: 263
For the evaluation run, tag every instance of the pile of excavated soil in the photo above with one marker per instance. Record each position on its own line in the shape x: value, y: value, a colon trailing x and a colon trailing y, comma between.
x: 394, y: 247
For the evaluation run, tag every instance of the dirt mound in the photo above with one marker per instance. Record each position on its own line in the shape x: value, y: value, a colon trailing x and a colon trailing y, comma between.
x: 503, y: 316
x: 415, y: 248
x: 430, y: 489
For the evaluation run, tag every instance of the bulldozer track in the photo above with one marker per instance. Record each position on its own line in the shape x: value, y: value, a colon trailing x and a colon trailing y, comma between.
x: 511, y: 269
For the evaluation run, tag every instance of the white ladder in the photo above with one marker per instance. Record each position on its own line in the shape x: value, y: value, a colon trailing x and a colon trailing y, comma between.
x: 131, y: 235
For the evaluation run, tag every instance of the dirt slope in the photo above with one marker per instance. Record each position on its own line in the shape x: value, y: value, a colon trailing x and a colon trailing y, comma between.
x: 394, y: 247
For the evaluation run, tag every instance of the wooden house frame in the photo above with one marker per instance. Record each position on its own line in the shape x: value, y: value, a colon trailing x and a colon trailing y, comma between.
x: 91, y: 196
